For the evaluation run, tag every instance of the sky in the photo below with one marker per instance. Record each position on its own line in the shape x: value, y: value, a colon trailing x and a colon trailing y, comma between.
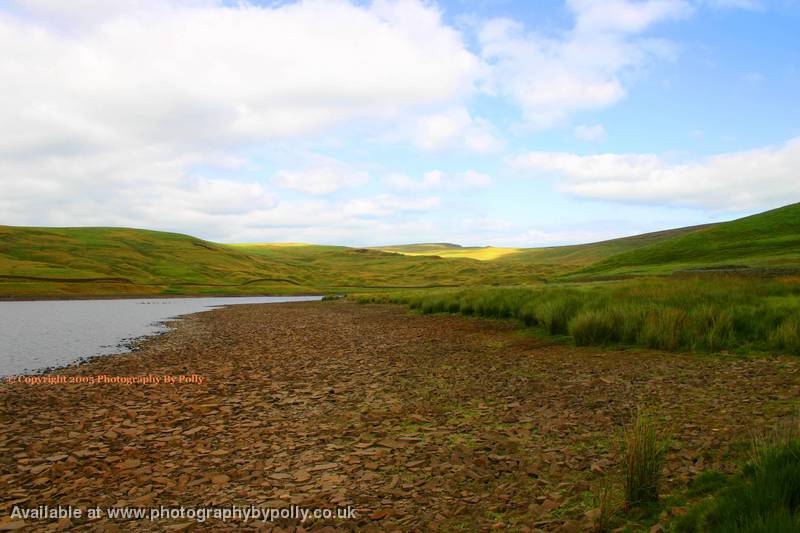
x: 479, y: 122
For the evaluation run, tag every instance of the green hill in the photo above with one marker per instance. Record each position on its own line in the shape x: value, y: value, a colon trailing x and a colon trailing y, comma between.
x: 765, y: 240
x: 556, y: 261
x: 341, y: 267
x: 121, y: 261
x: 423, y: 247
x: 72, y: 261
x: 553, y: 260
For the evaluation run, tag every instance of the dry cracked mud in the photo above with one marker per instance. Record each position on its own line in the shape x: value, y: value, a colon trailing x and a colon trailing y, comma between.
x: 419, y: 423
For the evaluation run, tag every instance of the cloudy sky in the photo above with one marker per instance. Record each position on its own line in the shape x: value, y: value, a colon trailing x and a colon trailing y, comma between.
x: 505, y: 122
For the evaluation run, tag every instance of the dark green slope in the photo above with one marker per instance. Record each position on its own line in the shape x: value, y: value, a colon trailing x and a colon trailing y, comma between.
x: 765, y: 240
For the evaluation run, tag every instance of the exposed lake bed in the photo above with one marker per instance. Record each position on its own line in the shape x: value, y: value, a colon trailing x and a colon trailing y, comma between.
x: 417, y: 422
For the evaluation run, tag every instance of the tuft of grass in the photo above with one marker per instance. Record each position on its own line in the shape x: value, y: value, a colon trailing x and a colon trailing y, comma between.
x: 779, y: 437
x: 555, y: 314
x: 786, y: 337
x: 643, y: 462
x: 665, y: 330
x: 606, y: 508
x: 706, y: 483
x: 763, y: 497
x: 595, y: 327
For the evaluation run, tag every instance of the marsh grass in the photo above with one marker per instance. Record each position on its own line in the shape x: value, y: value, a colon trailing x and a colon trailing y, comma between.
x: 593, y: 327
x: 767, y: 443
x: 786, y: 337
x: 703, y: 314
x: 607, y: 507
x: 763, y: 497
x: 643, y: 461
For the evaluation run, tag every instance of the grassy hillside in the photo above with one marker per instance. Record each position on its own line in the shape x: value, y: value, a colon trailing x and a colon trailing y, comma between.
x: 120, y: 261
x: 560, y: 260
x: 547, y: 262
x: 345, y: 268
x: 766, y: 240
x: 70, y: 261
x: 431, y: 248
x: 446, y: 250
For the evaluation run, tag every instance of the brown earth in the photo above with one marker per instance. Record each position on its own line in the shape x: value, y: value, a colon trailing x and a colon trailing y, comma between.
x: 422, y: 423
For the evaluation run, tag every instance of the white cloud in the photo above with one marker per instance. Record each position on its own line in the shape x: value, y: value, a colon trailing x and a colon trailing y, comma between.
x: 735, y: 4
x: 118, y: 108
x: 82, y: 14
x: 145, y: 112
x: 590, y: 133
x: 551, y: 78
x: 150, y: 189
x: 455, y: 128
x: 624, y: 16
x: 436, y: 179
x: 473, y: 178
x: 180, y: 74
x: 322, y: 175
x: 386, y: 204
x: 402, y: 182
x: 752, y: 179
x: 142, y: 187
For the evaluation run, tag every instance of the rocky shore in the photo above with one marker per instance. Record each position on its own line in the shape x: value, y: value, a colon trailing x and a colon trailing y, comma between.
x: 406, y: 422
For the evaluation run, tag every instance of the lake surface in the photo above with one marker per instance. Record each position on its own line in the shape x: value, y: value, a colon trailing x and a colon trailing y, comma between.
x: 42, y: 334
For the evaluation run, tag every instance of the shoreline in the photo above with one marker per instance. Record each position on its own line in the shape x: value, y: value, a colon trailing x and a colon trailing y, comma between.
x: 417, y: 422
x: 147, y: 297
x: 131, y: 345
x: 132, y: 340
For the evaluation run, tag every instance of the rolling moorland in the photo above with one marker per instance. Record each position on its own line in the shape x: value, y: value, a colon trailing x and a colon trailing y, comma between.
x: 573, y: 412
x: 75, y: 262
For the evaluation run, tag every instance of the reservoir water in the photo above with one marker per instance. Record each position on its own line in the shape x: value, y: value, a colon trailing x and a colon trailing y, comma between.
x: 41, y: 334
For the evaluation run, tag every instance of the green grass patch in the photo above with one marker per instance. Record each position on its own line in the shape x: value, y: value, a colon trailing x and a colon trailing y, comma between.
x: 705, y: 314
x: 706, y: 483
x: 764, y: 497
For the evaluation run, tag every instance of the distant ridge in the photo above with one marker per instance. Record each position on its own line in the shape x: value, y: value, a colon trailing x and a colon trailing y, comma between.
x: 76, y: 262
x: 418, y: 247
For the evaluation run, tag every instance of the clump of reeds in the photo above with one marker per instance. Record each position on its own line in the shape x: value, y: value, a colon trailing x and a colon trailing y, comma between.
x: 595, y: 327
x: 643, y: 461
x: 606, y: 508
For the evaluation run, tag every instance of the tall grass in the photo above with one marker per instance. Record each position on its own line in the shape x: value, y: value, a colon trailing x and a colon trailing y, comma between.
x: 705, y: 314
x: 643, y: 462
x: 606, y: 508
x: 763, y: 497
x: 786, y: 337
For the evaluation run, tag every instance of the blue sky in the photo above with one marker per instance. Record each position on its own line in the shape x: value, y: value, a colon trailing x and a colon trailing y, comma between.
x: 494, y: 122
